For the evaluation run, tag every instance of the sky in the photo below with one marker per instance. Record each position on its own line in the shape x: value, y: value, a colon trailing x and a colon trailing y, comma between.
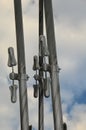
x: 70, y: 31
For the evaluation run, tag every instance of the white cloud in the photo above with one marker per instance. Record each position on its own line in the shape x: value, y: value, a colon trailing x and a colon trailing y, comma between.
x: 77, y: 118
x: 71, y: 47
x: 70, y: 39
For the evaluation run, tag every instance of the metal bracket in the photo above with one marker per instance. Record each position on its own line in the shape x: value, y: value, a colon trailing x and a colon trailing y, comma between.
x: 55, y: 68
x: 15, y: 76
x: 37, y: 77
x: 24, y: 77
x: 46, y: 67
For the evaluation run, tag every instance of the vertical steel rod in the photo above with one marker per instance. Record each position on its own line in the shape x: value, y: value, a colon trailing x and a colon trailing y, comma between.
x: 55, y: 87
x: 21, y: 66
x: 41, y: 99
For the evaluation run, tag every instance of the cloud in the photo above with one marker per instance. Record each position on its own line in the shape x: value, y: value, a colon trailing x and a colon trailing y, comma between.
x: 70, y: 27
x: 72, y: 11
x: 77, y: 117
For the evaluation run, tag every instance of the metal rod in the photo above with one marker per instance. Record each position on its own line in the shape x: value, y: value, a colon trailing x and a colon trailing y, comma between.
x: 55, y: 87
x: 41, y: 95
x: 21, y: 66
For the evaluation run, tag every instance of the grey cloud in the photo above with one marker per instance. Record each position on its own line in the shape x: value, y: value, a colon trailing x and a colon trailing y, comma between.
x: 72, y: 11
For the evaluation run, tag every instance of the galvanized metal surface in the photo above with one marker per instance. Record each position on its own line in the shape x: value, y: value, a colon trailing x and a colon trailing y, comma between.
x: 21, y: 66
x: 55, y: 87
x: 41, y: 94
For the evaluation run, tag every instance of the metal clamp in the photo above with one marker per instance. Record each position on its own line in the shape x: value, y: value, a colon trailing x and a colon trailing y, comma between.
x: 23, y: 77
x: 13, y: 76
x: 55, y: 68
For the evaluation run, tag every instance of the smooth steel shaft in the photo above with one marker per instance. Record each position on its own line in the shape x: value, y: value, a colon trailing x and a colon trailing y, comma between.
x: 55, y: 87
x: 41, y: 95
x: 21, y: 66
